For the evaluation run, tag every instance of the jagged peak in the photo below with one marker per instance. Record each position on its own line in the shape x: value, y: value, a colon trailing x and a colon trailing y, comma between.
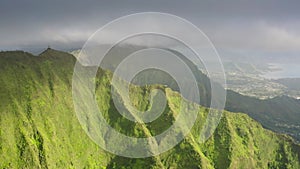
x: 48, y: 50
x: 53, y: 53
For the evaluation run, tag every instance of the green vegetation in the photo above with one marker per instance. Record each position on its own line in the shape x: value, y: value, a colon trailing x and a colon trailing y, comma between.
x: 39, y: 128
x: 280, y: 114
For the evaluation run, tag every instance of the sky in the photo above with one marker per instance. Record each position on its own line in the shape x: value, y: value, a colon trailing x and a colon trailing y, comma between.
x: 242, y: 27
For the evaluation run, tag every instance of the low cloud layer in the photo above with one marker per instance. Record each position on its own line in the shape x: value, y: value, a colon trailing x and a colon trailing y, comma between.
x: 260, y: 26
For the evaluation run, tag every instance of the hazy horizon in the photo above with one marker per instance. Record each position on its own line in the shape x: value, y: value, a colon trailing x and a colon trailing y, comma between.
x: 243, y: 28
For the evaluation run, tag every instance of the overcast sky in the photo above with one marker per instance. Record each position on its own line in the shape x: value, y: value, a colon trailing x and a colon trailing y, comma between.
x: 245, y: 27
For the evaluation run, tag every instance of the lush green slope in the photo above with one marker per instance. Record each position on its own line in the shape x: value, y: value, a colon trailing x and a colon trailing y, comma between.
x: 39, y: 129
x: 280, y: 114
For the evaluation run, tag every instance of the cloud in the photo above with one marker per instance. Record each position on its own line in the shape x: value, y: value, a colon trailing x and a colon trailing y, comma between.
x: 234, y: 25
x: 279, y: 39
x: 257, y: 35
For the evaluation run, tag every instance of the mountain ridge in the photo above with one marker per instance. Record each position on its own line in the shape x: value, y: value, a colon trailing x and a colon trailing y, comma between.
x: 44, y: 131
x: 279, y: 114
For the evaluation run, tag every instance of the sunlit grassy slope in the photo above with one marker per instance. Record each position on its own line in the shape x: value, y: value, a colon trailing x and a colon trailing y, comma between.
x: 280, y: 114
x: 39, y: 128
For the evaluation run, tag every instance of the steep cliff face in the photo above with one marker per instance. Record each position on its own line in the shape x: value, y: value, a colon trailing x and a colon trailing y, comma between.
x: 39, y: 128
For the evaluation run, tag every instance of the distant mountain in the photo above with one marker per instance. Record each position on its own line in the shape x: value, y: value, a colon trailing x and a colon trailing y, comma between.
x: 39, y: 128
x: 291, y: 83
x: 280, y: 114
